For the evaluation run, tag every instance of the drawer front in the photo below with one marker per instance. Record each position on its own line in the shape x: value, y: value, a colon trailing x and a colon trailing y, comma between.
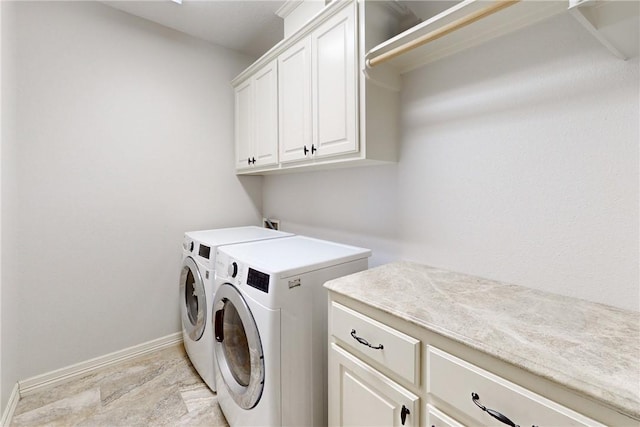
x: 379, y: 342
x: 453, y: 381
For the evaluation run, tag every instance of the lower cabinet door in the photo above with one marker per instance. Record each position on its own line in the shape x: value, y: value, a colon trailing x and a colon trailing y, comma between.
x: 361, y: 396
x: 436, y: 418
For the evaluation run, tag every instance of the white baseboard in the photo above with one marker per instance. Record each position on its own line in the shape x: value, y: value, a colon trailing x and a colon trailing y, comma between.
x: 31, y: 385
x: 7, y: 415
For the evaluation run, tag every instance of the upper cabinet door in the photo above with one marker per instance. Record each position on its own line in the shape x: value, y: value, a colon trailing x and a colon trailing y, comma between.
x: 265, y: 91
x: 244, y: 125
x: 334, y: 86
x: 294, y: 86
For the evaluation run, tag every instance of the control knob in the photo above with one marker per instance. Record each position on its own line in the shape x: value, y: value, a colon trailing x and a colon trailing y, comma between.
x: 233, y: 269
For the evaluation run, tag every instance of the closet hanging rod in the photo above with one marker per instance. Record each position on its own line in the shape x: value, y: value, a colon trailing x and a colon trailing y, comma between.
x: 440, y: 32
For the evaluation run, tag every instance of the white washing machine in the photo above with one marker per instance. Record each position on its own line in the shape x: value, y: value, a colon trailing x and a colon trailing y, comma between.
x: 197, y: 288
x: 270, y: 328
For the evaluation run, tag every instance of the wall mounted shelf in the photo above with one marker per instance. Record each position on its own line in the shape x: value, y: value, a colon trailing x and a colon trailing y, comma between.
x: 470, y: 23
x: 515, y: 16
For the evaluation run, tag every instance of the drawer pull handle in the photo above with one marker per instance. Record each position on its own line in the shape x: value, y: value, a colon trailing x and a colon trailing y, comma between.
x: 403, y: 414
x: 495, y: 414
x: 365, y: 342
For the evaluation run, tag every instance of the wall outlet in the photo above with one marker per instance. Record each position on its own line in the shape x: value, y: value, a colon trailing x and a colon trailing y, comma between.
x: 271, y: 223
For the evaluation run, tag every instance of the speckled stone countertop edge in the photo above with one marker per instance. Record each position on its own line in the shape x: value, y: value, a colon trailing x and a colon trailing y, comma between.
x: 618, y: 403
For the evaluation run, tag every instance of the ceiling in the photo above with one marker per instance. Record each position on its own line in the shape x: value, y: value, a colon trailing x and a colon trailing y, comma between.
x: 248, y: 26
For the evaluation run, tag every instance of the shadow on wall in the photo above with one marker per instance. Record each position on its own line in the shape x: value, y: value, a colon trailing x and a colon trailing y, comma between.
x: 355, y: 200
x: 484, y: 92
x: 252, y: 186
x: 356, y: 206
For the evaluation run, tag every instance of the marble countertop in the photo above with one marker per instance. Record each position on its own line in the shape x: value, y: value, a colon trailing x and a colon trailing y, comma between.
x: 591, y: 348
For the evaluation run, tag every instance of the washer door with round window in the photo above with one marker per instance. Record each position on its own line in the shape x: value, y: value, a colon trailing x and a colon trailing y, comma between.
x: 237, y: 347
x: 194, y: 303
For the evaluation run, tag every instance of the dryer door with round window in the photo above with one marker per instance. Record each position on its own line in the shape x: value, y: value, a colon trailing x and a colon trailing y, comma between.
x: 237, y: 347
x: 193, y: 297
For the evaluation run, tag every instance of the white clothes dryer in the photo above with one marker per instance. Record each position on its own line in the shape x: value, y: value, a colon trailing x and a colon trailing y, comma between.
x: 197, y: 288
x: 270, y: 328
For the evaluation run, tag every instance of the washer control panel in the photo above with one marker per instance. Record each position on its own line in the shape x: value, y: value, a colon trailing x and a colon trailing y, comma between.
x: 259, y: 280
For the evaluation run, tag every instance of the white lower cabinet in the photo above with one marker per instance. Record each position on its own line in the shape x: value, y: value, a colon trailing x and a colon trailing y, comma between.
x: 362, y: 396
x: 487, y: 398
x: 437, y: 418
x: 387, y: 346
x: 384, y: 371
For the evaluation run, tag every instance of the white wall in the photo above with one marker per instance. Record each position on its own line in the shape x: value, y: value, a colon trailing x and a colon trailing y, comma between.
x: 124, y: 141
x: 8, y: 296
x: 518, y: 162
x: 2, y: 28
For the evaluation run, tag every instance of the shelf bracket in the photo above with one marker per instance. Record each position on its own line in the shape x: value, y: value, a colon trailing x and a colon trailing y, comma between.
x: 582, y: 11
x: 383, y: 76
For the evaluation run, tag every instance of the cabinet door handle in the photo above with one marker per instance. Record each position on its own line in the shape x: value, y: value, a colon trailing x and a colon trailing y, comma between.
x: 495, y: 414
x: 249, y: 161
x: 403, y: 414
x: 365, y: 342
x: 305, y: 150
x: 253, y: 160
x: 313, y: 149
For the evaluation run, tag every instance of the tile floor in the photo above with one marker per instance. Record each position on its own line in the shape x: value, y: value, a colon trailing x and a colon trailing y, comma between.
x: 160, y: 389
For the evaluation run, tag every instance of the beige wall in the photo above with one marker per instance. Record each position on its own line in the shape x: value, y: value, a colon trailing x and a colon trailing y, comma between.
x: 8, y: 295
x: 124, y: 141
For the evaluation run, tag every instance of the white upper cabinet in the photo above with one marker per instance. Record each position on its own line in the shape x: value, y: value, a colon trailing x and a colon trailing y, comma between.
x: 266, y: 116
x: 256, y: 121
x: 317, y: 92
x: 334, y: 85
x: 294, y: 84
x: 243, y: 125
x: 327, y: 113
